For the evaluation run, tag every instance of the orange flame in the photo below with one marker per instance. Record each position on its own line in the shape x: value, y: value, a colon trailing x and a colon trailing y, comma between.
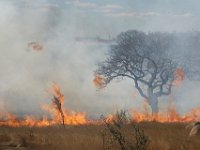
x: 70, y: 117
x: 57, y: 92
x: 74, y: 118
x: 79, y: 118
x: 170, y: 116
x: 109, y: 118
x: 36, y: 46
x: 99, y: 81
x: 179, y: 75
x: 13, y: 121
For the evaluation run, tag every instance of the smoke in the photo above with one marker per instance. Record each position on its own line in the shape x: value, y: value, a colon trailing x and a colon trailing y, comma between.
x: 26, y: 74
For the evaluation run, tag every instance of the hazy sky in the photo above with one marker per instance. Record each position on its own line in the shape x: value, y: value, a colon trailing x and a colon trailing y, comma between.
x: 26, y: 74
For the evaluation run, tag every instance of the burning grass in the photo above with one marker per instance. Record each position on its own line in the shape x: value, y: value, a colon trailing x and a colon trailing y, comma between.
x: 64, y: 116
x: 59, y: 114
x: 161, y: 131
x: 171, y: 115
x: 67, y: 117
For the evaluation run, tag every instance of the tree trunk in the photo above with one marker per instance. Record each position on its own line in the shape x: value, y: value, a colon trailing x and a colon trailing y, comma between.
x: 153, y: 101
x: 154, y: 104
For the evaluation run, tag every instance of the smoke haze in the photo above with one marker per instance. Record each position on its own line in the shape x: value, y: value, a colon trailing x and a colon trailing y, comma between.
x: 26, y: 74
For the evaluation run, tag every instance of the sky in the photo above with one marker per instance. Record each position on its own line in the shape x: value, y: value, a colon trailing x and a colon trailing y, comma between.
x: 57, y: 24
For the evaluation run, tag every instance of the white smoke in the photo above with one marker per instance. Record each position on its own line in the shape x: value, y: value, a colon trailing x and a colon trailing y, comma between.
x: 26, y: 74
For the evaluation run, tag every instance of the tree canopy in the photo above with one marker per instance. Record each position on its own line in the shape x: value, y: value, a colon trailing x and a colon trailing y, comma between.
x: 144, y: 58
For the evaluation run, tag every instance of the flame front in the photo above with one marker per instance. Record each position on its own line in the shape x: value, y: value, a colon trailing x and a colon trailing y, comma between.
x: 171, y: 115
x: 79, y: 118
x: 13, y: 121
x: 70, y: 117
x: 74, y: 118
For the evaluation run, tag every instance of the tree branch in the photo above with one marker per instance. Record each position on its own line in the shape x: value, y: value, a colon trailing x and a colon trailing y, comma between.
x: 140, y: 90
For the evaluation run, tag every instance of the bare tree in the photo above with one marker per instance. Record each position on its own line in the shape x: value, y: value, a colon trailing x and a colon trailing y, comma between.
x: 143, y: 58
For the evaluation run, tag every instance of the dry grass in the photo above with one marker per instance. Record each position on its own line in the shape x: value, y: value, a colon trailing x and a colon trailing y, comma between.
x: 167, y: 136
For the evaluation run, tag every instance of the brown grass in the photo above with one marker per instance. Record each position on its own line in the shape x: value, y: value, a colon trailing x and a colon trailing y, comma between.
x: 163, y: 136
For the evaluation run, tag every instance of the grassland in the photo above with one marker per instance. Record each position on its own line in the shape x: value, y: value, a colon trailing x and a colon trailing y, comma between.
x: 162, y: 136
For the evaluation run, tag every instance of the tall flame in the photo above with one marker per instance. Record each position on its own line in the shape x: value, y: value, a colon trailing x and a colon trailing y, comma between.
x: 58, y: 99
x: 99, y: 81
x: 179, y: 75
x: 70, y: 117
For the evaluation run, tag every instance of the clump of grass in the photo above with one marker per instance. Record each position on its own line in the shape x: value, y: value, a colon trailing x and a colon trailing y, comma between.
x: 140, y: 138
x: 126, y: 140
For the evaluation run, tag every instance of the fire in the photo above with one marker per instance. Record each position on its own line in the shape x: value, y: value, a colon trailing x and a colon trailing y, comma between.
x: 57, y: 111
x: 179, y: 75
x: 109, y: 118
x: 171, y: 115
x: 99, y: 81
x: 74, y: 118
x: 57, y: 100
x: 36, y: 46
x: 13, y: 121
x: 61, y: 115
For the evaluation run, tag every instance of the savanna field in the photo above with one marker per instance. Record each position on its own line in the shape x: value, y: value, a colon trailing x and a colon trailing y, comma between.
x: 161, y: 136
x: 69, y: 130
x: 99, y: 75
